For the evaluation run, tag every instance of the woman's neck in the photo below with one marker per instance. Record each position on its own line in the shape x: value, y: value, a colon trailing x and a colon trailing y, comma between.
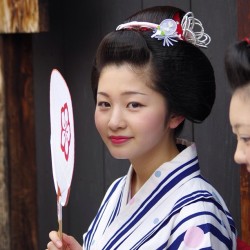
x: 147, y: 165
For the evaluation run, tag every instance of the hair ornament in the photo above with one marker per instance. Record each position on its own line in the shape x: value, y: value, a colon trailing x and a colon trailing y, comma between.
x: 171, y: 30
x: 134, y: 25
x: 167, y: 31
x: 198, y: 38
x: 246, y: 39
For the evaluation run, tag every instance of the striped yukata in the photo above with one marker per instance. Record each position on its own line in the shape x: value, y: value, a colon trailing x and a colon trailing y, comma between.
x: 175, y: 209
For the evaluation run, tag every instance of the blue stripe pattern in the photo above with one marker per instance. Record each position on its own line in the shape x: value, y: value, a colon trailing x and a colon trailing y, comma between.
x: 151, y: 200
x: 94, y: 225
x: 181, y: 173
x: 175, y: 211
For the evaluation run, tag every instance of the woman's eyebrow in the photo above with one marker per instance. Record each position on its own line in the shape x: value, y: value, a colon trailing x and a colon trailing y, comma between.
x: 123, y: 93
x: 133, y: 93
x: 102, y: 93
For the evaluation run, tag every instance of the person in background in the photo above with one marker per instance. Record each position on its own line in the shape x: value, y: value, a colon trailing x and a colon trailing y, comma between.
x: 237, y: 64
x: 148, y: 77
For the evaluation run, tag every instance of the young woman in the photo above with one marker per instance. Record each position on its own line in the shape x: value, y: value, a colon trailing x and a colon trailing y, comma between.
x: 148, y: 77
x: 237, y: 63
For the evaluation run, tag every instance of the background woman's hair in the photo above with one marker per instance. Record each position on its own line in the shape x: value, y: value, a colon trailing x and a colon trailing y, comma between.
x: 181, y: 73
x: 237, y: 64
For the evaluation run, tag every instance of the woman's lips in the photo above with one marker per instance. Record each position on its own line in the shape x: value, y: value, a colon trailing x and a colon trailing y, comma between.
x: 119, y: 139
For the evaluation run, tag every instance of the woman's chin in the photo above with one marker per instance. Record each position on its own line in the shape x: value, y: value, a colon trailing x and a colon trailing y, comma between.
x: 119, y: 157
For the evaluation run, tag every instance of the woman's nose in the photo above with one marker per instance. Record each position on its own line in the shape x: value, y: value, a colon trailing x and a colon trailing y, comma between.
x: 117, y: 120
x: 239, y: 155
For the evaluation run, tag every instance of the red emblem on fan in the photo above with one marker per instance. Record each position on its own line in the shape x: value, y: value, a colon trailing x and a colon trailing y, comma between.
x: 65, y: 131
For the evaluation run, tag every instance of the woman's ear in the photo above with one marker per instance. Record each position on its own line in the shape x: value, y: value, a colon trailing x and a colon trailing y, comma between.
x: 175, y: 121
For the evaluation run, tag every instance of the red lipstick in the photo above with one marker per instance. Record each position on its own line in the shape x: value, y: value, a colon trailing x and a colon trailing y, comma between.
x: 119, y: 139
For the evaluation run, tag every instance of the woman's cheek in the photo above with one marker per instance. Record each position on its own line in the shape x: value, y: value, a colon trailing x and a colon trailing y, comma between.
x: 97, y: 120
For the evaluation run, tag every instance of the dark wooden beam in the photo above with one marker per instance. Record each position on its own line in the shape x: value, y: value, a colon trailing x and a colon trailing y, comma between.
x: 243, y: 8
x: 18, y: 194
x: 4, y: 198
x: 18, y: 79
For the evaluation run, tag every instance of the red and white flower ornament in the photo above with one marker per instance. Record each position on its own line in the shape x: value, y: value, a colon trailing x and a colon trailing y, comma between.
x: 172, y: 30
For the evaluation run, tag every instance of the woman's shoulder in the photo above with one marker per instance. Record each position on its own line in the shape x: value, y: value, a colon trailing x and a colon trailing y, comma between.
x: 200, y: 195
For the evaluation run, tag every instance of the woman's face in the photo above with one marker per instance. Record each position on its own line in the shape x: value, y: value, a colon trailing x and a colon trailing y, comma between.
x: 239, y: 115
x: 129, y: 115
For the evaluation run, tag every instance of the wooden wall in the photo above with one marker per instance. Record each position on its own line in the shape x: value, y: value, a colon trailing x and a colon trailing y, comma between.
x: 4, y: 197
x: 18, y: 206
x: 76, y: 28
x: 21, y: 141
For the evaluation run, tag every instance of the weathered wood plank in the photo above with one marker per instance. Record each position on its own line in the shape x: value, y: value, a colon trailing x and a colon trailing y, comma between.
x: 18, y: 78
x: 23, y: 16
x: 4, y: 200
x: 243, y: 9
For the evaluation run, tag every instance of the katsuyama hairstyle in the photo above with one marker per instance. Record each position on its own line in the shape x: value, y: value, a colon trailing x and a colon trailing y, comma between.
x: 180, y: 72
x: 237, y: 64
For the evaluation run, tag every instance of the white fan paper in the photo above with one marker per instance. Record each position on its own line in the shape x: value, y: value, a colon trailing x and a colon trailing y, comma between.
x: 62, y: 139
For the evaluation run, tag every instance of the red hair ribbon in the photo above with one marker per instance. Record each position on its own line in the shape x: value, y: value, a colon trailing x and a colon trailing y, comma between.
x: 177, y: 19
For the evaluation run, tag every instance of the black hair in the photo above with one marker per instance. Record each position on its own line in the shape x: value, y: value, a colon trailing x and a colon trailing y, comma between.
x: 237, y: 64
x: 181, y: 73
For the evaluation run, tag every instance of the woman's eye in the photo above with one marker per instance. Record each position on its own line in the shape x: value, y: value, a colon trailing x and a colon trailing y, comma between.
x: 134, y: 105
x: 245, y: 139
x: 103, y: 104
